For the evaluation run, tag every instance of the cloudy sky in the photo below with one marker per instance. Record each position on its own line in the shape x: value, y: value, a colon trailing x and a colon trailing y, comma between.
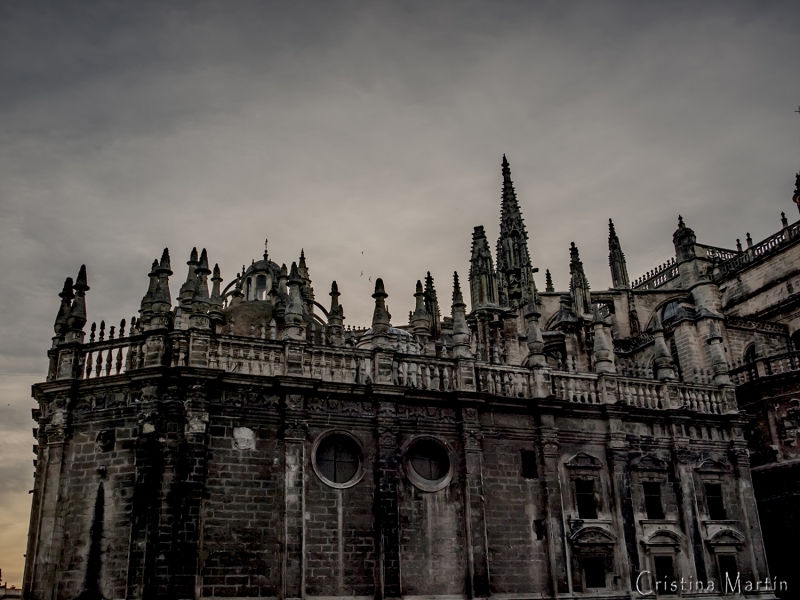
x: 370, y: 134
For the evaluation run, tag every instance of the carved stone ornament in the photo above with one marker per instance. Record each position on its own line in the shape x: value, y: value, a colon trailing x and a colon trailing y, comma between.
x: 105, y: 440
x: 244, y: 438
x: 686, y: 456
x: 196, y: 422
x: 294, y: 401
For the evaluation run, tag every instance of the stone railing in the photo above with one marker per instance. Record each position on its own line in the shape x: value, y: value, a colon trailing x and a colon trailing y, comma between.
x: 755, y: 252
x: 111, y: 357
x: 765, y: 366
x: 657, y: 277
x: 270, y: 358
x: 716, y: 254
x: 652, y: 394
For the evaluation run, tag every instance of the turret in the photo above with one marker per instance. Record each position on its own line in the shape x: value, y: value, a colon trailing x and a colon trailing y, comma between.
x: 684, y: 241
x: 578, y: 285
x: 336, y: 317
x: 482, y: 277
x: 293, y: 316
x: 460, y: 328
x: 616, y: 260
x: 62, y: 319
x: 514, y: 270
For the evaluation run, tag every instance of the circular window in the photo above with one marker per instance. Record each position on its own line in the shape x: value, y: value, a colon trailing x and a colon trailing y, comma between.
x: 337, y: 460
x: 428, y: 464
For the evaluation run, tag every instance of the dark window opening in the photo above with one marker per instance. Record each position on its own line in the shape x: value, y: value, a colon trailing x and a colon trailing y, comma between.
x: 594, y: 572
x: 529, y: 467
x: 337, y: 458
x: 429, y: 460
x: 261, y: 287
x: 538, y: 528
x: 714, y: 503
x: 670, y: 311
x: 652, y: 500
x: 750, y: 354
x: 584, y: 495
x: 665, y: 576
x: 728, y: 571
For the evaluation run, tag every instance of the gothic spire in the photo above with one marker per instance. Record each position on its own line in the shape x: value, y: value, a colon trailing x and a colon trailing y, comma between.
x: 548, y: 282
x: 201, y: 274
x: 578, y: 285
x: 515, y: 273
x: 482, y: 277
x: 432, y: 306
x: 616, y: 260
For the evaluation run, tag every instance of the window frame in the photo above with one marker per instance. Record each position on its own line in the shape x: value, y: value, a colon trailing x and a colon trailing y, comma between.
x: 427, y: 485
x: 360, y: 469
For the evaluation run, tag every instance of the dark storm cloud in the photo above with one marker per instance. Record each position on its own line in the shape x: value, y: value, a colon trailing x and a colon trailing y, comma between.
x: 350, y: 127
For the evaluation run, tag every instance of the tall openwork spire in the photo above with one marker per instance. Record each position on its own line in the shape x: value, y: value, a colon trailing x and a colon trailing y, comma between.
x: 482, y: 277
x: 616, y: 260
x: 514, y: 270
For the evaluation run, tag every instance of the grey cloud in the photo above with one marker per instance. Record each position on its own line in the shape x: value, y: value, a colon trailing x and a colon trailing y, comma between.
x: 342, y: 127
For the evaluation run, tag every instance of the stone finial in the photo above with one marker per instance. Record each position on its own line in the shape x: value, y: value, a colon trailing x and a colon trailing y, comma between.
x: 684, y: 241
x: 162, y: 300
x: 460, y: 329
x: 336, y: 317
x: 749, y: 240
x: 293, y: 316
x: 188, y: 288
x: 266, y: 252
x: 784, y: 220
x: 381, y: 319
x: 738, y: 245
x: 61, y: 325
x: 548, y: 281
x: 77, y: 314
x: 216, y: 280
x: 420, y: 319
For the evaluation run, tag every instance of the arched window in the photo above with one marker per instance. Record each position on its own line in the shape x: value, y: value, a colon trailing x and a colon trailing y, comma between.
x: 261, y: 287
x: 670, y: 310
x: 248, y: 288
x: 750, y: 353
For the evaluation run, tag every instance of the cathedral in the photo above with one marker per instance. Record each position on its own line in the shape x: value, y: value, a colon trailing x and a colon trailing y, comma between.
x: 240, y: 441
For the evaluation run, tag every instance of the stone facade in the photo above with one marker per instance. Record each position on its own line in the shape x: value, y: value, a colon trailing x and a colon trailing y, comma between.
x: 244, y: 443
